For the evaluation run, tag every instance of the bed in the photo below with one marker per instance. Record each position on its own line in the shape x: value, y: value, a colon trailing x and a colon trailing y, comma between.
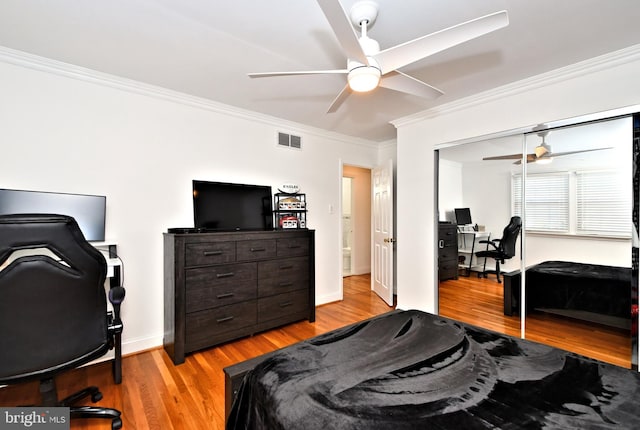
x: 590, y: 292
x: 414, y: 370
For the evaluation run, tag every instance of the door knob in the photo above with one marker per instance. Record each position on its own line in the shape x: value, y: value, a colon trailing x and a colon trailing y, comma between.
x: 389, y: 240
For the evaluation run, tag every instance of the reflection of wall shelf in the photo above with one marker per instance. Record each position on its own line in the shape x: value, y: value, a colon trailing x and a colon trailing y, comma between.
x: 468, y: 245
x: 290, y: 210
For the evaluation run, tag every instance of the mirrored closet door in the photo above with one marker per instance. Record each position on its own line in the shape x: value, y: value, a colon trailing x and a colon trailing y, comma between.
x: 572, y: 186
x: 474, y: 211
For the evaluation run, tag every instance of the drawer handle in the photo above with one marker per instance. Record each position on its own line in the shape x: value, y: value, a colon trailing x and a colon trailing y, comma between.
x: 287, y: 267
x: 211, y: 253
x: 285, y: 284
x: 225, y: 295
x: 225, y: 275
x: 285, y: 304
x: 258, y: 249
x: 295, y: 246
x: 225, y: 319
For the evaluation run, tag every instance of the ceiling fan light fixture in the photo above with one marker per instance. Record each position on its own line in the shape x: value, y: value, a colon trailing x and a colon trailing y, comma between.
x: 364, y: 79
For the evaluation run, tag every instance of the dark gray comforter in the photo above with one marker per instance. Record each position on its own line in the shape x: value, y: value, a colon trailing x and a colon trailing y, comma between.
x: 413, y: 370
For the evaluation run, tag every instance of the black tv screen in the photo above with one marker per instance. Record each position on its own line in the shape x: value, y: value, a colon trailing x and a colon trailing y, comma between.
x: 220, y: 206
x: 463, y: 216
x: 88, y: 210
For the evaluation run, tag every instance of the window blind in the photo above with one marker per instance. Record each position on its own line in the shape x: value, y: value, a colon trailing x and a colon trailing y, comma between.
x: 547, y: 207
x: 603, y: 205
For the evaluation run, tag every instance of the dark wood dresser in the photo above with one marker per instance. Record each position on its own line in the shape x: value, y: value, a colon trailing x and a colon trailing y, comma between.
x: 222, y: 286
x: 447, y: 251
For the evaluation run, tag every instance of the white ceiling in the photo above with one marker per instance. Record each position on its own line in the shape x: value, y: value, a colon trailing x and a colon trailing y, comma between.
x: 205, y: 48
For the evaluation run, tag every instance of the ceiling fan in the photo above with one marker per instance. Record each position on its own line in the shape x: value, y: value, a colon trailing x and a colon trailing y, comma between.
x: 541, y: 153
x: 368, y: 67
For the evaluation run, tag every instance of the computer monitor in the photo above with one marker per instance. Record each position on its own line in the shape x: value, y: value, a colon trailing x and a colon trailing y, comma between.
x: 88, y: 210
x: 463, y: 216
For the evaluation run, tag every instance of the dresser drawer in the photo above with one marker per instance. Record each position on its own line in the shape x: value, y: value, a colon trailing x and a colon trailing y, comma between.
x: 208, y: 287
x: 256, y: 249
x: 203, y: 326
x: 281, y: 305
x: 210, y: 253
x: 279, y: 276
x: 293, y: 247
x: 448, y: 253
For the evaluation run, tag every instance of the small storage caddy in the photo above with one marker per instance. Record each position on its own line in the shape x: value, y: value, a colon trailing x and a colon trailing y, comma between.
x: 290, y: 210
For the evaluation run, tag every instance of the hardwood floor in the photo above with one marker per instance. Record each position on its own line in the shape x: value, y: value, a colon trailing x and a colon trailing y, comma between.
x: 478, y: 301
x: 155, y: 394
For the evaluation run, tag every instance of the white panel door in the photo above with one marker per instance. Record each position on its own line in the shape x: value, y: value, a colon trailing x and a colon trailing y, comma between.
x: 382, y: 224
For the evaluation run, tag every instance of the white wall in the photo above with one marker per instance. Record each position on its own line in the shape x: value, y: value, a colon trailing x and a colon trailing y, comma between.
x: 71, y: 130
x: 450, y: 192
x: 608, y: 82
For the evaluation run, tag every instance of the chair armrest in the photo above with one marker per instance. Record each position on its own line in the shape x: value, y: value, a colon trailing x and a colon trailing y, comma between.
x: 116, y: 295
x: 494, y: 243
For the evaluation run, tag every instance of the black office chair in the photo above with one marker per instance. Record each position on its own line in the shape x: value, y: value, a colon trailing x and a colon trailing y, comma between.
x: 53, y: 310
x: 503, y: 248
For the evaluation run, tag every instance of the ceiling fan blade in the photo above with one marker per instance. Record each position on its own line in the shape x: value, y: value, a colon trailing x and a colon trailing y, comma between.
x: 530, y: 159
x: 337, y: 102
x: 302, y: 72
x: 343, y: 29
x: 506, y: 157
x: 560, y: 154
x: 417, y: 49
x: 404, y: 83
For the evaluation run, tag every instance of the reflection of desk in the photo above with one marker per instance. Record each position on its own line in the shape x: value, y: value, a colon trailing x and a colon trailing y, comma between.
x: 468, y: 245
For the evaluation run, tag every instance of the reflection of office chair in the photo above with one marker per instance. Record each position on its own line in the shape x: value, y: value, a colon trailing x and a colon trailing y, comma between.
x: 53, y: 310
x: 503, y: 248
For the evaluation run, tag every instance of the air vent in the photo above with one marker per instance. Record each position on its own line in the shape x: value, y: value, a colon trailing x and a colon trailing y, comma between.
x: 289, y: 140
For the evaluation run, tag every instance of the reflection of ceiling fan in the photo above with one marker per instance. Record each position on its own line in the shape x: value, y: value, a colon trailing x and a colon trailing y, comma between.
x: 368, y: 67
x: 541, y: 152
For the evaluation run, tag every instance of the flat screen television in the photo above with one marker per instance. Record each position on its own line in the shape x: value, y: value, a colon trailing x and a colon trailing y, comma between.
x: 220, y: 206
x: 463, y: 216
x: 88, y: 210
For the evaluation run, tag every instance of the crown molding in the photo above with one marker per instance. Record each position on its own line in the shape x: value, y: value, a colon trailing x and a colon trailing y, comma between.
x: 47, y: 65
x: 602, y: 62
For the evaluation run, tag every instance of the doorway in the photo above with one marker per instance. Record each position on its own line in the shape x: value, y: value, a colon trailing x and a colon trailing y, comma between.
x: 356, y: 220
x: 347, y: 228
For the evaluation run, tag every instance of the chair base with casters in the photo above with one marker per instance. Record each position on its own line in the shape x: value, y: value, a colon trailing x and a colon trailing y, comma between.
x: 497, y: 271
x: 49, y: 392
x: 49, y: 395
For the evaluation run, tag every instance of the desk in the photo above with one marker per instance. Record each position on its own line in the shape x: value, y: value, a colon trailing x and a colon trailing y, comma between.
x: 114, y: 265
x: 468, y: 246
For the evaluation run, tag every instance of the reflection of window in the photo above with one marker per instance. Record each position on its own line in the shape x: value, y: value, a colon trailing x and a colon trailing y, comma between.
x: 584, y: 203
x: 547, y: 202
x: 603, y: 204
